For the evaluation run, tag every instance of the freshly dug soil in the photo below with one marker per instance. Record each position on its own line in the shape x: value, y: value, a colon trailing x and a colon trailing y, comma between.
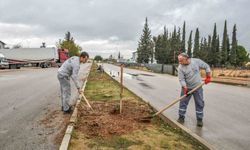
x: 106, y: 120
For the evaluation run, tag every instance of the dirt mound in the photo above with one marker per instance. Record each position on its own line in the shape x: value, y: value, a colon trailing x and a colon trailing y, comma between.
x: 106, y: 121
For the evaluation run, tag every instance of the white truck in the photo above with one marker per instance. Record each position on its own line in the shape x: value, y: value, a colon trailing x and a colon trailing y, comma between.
x: 38, y: 57
x: 3, y: 62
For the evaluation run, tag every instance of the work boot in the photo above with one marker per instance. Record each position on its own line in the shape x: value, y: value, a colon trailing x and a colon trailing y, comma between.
x: 199, y: 123
x: 68, y: 111
x: 181, y: 119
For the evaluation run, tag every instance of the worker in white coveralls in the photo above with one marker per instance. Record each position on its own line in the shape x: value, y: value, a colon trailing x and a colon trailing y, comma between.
x: 70, y: 69
x: 189, y: 77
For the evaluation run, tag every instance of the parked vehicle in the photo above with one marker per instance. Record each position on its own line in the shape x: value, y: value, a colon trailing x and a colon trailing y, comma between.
x: 63, y: 56
x: 3, y: 62
x: 37, y: 57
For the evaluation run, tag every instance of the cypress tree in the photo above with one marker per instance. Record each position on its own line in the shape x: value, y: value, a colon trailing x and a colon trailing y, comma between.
x: 165, y: 47
x: 158, y: 48
x: 183, y: 42
x: 161, y: 50
x: 204, y: 51
x: 145, y: 45
x: 228, y: 51
x: 201, y: 48
x: 214, y: 47
x: 165, y: 33
x: 173, y: 47
x: 233, y: 51
x: 189, y: 50
x: 179, y: 42
x: 196, y: 44
x: 218, y: 52
x: 224, y: 46
x: 209, y: 50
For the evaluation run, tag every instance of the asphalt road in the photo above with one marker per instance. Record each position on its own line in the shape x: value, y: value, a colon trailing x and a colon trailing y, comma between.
x: 226, y: 114
x: 27, y: 97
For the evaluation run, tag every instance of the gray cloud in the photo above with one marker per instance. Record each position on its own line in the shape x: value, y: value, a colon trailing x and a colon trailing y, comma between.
x: 115, y: 25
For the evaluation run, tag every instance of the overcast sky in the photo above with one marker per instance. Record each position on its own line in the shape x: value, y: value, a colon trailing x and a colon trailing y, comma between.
x: 108, y: 26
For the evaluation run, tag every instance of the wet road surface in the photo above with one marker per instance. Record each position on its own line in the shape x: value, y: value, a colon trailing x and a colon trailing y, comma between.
x: 226, y: 113
x: 27, y: 97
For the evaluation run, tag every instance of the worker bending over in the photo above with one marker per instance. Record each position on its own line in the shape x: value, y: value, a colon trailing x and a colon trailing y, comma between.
x: 70, y: 69
x: 189, y: 77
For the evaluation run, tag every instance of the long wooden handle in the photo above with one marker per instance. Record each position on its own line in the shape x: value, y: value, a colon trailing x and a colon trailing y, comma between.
x: 196, y: 88
x: 86, y: 100
x: 178, y: 99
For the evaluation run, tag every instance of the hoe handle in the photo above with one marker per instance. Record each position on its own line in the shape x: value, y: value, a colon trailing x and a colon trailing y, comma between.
x: 178, y: 99
x: 86, y: 100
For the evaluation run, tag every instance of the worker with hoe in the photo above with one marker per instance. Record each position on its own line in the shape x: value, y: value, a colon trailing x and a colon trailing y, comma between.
x: 70, y: 69
x: 189, y: 77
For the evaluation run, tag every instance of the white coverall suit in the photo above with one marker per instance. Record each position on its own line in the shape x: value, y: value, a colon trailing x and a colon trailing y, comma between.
x: 69, y: 69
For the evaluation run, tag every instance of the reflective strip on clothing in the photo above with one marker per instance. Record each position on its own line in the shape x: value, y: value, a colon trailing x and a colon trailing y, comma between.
x: 199, y: 112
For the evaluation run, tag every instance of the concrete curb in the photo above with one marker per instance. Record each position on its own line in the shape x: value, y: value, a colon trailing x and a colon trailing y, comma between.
x: 173, y: 123
x: 231, y: 83
x: 73, y: 119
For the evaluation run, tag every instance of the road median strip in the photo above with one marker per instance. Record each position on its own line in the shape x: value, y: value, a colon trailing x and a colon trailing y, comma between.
x: 170, y: 121
x: 107, y: 128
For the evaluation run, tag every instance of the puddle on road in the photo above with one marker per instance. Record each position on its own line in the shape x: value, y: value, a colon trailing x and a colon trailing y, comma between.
x: 132, y: 76
x: 146, y: 85
x: 149, y: 75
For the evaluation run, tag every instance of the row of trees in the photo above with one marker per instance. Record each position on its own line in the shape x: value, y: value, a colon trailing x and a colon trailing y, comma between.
x: 69, y: 43
x: 166, y: 47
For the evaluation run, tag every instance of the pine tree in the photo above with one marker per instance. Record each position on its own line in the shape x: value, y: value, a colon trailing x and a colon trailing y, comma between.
x: 242, y: 56
x: 189, y: 51
x: 224, y: 46
x: 183, y: 46
x: 145, y: 45
x: 196, y: 44
x: 233, y: 51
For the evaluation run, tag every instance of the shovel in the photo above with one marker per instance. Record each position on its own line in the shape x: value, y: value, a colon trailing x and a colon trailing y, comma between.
x: 86, y: 100
x: 148, y: 118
